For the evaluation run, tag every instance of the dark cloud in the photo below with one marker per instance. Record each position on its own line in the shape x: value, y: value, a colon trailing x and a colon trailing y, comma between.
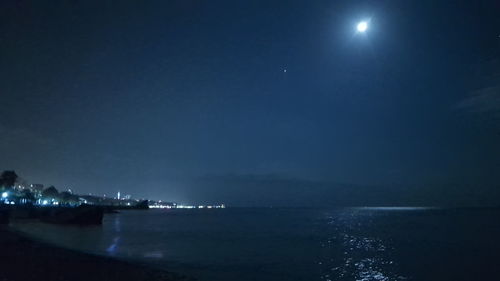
x: 483, y: 101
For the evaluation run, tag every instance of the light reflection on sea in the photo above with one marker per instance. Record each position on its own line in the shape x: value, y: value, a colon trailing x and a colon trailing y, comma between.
x: 362, y: 244
x: 352, y: 255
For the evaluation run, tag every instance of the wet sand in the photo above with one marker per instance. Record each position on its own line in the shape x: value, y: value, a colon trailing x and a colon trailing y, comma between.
x: 24, y: 259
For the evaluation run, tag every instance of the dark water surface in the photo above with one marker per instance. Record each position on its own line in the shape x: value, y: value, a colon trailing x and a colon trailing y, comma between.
x: 297, y: 244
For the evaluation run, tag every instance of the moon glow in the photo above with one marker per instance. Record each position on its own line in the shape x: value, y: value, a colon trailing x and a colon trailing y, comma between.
x: 362, y: 26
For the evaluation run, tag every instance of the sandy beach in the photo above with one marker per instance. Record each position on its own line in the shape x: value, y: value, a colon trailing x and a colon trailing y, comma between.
x: 22, y: 258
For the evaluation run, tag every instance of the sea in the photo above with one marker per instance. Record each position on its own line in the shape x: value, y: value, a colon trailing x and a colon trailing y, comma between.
x: 292, y: 244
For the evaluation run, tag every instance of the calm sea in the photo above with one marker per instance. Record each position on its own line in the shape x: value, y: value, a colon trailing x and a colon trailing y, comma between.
x: 297, y: 244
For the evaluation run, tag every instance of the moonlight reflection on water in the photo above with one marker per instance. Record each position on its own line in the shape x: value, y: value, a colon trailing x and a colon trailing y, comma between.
x: 354, y: 256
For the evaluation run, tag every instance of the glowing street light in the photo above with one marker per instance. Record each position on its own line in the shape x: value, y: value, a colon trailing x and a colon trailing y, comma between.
x: 5, y: 195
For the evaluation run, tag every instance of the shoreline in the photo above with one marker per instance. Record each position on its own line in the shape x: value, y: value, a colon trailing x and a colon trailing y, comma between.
x: 23, y: 258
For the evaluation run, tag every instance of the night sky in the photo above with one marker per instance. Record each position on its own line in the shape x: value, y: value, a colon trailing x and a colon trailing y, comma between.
x: 255, y: 103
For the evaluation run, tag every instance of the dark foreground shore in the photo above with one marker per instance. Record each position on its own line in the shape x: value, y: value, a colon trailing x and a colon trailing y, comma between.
x: 24, y: 259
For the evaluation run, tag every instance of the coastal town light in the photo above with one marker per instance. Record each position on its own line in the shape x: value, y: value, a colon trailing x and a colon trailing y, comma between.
x: 5, y: 194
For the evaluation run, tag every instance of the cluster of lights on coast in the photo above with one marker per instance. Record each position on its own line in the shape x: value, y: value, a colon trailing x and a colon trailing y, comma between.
x: 175, y: 206
x: 5, y: 195
x: 11, y: 198
x: 44, y: 202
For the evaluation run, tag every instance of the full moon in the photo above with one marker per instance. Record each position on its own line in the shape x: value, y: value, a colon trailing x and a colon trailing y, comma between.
x: 362, y: 26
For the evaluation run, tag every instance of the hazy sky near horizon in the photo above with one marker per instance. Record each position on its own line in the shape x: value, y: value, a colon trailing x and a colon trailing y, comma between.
x: 159, y: 98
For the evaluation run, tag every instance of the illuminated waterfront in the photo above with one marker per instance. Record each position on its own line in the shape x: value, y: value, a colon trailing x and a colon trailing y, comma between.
x: 182, y: 206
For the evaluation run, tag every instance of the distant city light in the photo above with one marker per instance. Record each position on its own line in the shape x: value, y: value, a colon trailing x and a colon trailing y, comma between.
x: 160, y: 206
x: 120, y: 200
